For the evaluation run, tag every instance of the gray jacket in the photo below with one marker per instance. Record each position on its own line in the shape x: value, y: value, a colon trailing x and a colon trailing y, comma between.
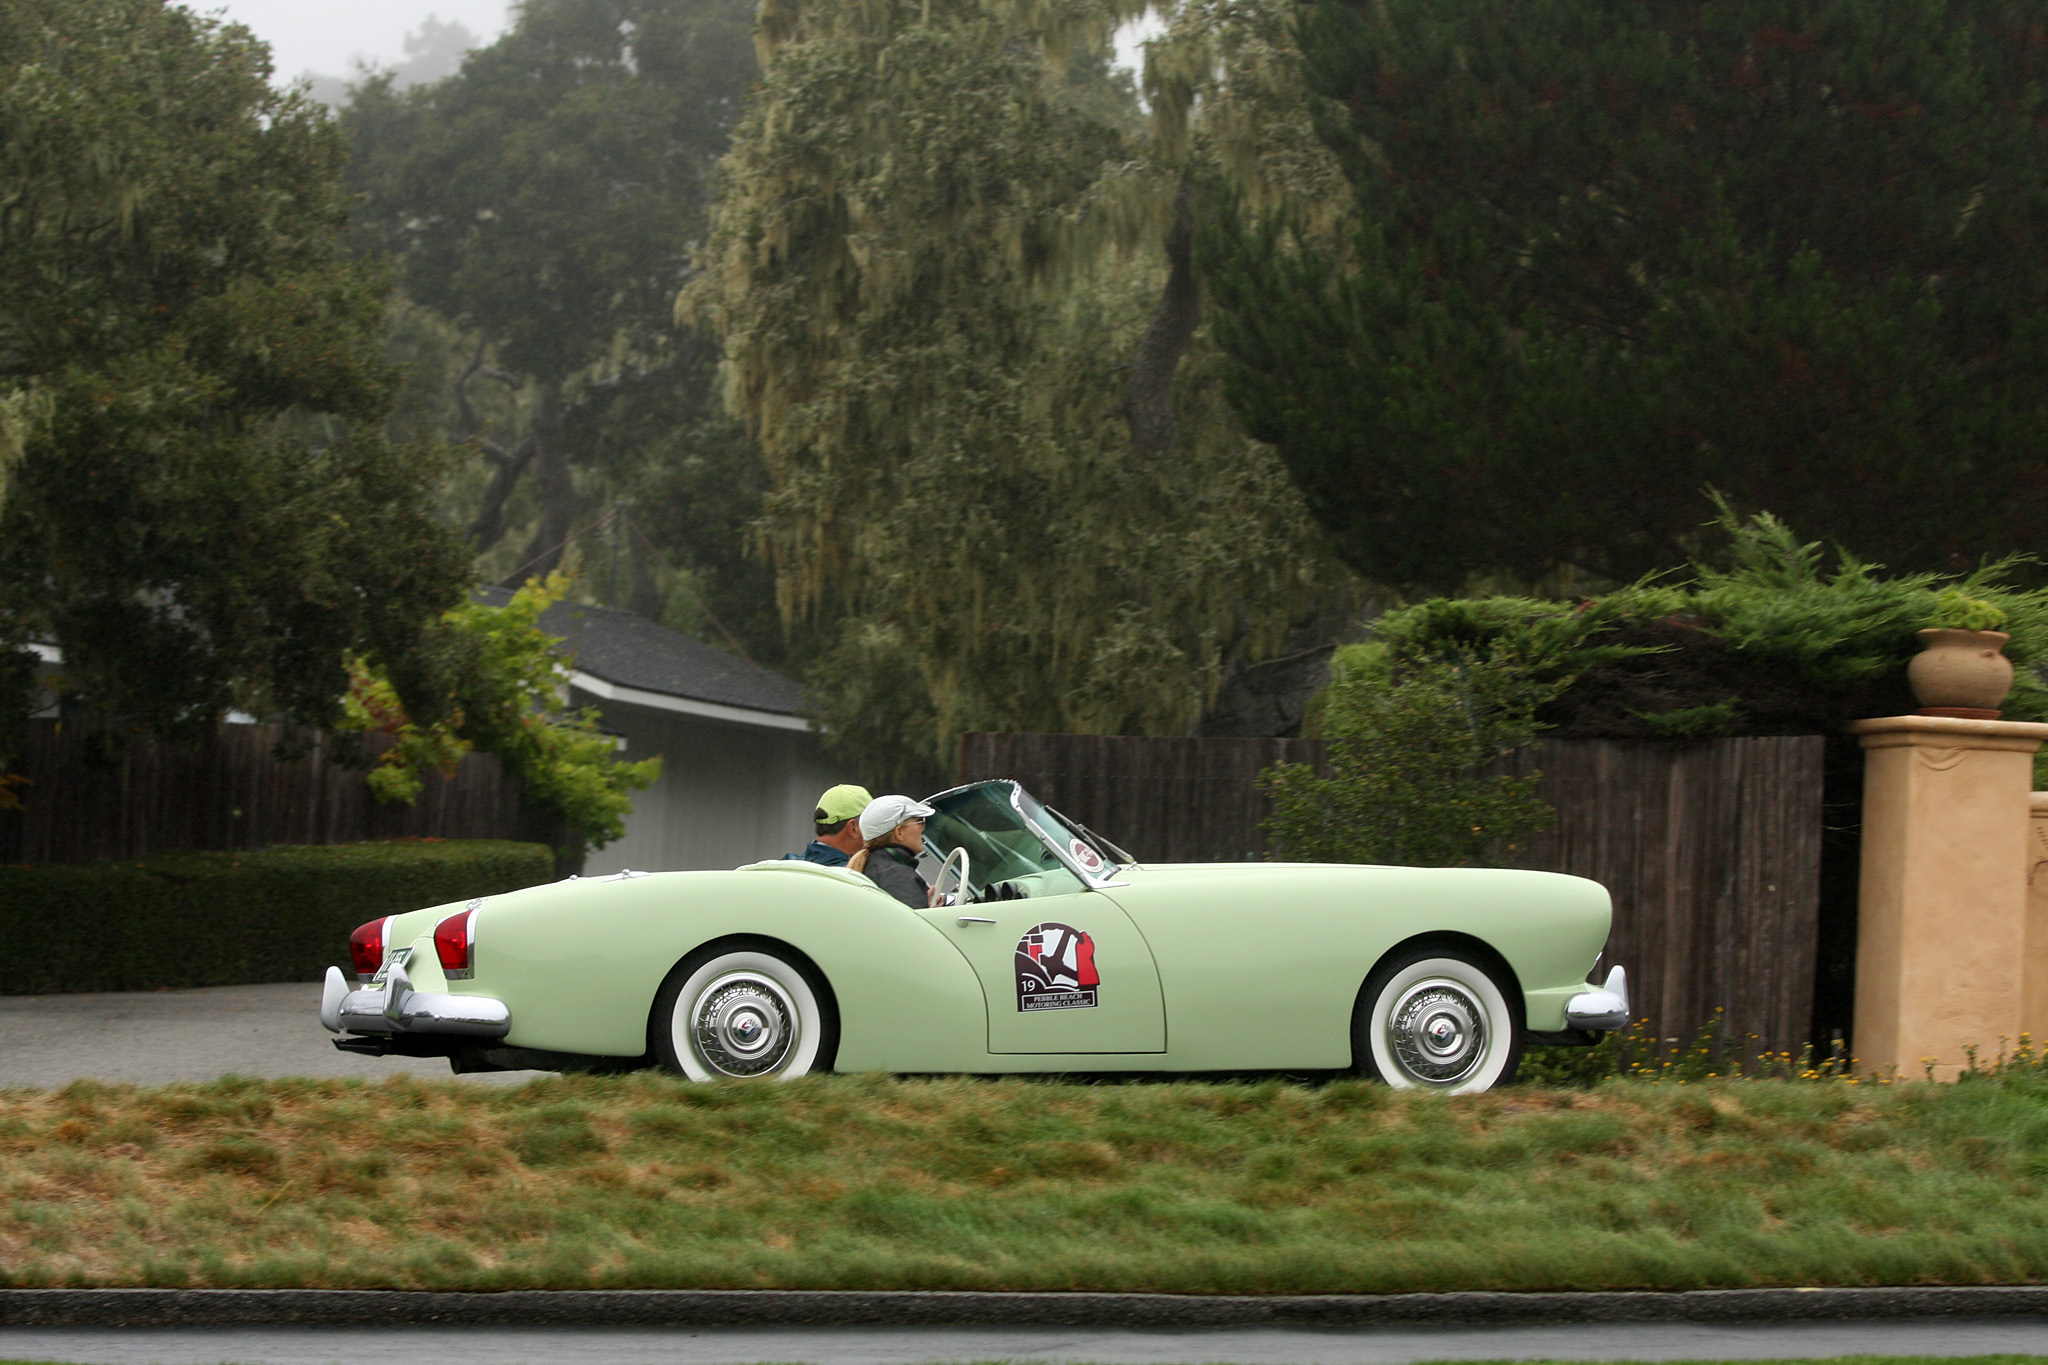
x: 894, y: 869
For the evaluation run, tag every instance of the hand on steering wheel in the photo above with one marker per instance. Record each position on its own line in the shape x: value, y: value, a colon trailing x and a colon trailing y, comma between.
x: 952, y: 880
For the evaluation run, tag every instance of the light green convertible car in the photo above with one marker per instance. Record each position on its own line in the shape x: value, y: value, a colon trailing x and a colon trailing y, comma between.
x: 1049, y: 950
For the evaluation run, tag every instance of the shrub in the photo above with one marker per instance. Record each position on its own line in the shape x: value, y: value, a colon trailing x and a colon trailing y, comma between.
x: 1781, y: 637
x: 501, y: 680
x: 225, y: 919
x: 1411, y: 747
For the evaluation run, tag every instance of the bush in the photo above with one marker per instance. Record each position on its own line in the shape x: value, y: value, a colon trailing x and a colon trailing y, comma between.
x: 1411, y: 745
x: 1779, y: 638
x: 229, y: 919
x: 500, y: 684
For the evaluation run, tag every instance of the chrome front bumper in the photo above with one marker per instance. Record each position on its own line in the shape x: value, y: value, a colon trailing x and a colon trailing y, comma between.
x: 395, y: 1007
x: 1597, y: 1011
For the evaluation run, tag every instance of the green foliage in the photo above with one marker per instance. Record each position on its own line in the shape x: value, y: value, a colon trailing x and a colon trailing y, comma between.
x: 1691, y: 722
x: 936, y: 250
x: 178, y: 920
x: 1711, y: 1053
x: 1779, y: 636
x: 1957, y: 610
x: 1611, y: 251
x: 200, y: 506
x: 499, y: 683
x: 545, y: 195
x: 1412, y: 753
x: 540, y: 206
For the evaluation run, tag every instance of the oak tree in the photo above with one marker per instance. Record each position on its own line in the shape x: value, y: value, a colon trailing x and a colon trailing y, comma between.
x: 542, y: 202
x: 201, y: 508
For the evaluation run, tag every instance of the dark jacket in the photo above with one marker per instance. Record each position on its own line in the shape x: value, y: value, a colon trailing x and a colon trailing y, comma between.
x: 894, y: 869
x: 819, y: 852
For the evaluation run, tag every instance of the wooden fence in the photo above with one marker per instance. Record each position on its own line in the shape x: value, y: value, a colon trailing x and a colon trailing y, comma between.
x: 1711, y: 849
x: 1170, y: 800
x: 231, y: 791
x: 1712, y: 852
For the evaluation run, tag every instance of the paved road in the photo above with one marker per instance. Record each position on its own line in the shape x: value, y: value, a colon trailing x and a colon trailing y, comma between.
x: 155, y: 1037
x: 917, y: 1346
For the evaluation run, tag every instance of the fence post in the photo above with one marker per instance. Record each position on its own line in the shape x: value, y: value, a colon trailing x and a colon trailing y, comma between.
x: 1942, y: 911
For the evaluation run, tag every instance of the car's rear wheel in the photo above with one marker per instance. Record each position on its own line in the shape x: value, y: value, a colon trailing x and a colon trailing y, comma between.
x: 1432, y: 1019
x: 740, y: 1013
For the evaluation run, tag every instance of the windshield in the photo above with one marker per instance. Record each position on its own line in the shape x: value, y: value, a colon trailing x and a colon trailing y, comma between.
x: 1010, y: 837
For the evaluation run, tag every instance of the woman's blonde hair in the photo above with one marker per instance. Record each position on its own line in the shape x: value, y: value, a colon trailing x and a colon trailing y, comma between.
x: 859, y: 861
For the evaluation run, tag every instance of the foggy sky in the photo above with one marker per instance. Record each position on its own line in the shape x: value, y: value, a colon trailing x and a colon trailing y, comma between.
x: 324, y: 36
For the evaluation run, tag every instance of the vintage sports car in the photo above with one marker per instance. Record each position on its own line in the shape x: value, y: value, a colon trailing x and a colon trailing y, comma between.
x: 1052, y: 950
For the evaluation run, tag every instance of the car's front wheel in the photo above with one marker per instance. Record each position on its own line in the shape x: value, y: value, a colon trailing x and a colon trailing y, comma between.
x: 1432, y: 1020
x: 739, y: 1013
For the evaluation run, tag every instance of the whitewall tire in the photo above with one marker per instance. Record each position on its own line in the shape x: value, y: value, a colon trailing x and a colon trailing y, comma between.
x: 1432, y: 1020
x: 739, y: 1014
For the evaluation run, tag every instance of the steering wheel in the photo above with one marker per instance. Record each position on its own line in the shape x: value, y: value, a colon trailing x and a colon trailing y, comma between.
x: 953, y: 878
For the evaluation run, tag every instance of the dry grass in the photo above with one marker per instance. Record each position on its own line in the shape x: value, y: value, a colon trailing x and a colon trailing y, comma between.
x: 868, y: 1182
x: 1828, y: 1360
x: 1523, y: 1360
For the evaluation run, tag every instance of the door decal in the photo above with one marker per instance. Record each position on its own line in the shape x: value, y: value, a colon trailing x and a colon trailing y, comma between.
x: 1056, y: 968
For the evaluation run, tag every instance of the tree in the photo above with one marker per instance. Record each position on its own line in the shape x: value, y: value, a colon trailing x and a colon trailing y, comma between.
x: 433, y: 51
x: 1611, y: 251
x: 1412, y: 742
x: 542, y: 201
x: 1001, y: 483
x: 501, y: 680
x: 201, y: 508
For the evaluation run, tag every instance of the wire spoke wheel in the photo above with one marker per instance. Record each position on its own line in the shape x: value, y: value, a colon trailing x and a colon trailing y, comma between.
x: 738, y: 1015
x: 1431, y: 1021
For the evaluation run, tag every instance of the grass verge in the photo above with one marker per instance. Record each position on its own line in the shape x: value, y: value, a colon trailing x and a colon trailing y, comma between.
x: 856, y: 1182
x: 1531, y: 1360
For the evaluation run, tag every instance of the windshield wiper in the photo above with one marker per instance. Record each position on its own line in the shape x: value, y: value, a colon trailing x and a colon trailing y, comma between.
x: 1102, y: 845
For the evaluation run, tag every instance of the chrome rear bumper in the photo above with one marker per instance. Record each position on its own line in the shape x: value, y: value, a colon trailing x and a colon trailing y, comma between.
x: 395, y: 1007
x: 1604, y: 1009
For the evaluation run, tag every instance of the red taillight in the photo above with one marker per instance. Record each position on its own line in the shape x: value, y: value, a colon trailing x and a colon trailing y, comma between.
x: 452, y: 938
x: 366, y: 947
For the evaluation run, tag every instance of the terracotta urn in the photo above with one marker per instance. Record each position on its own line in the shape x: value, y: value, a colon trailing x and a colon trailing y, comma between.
x: 1960, y: 673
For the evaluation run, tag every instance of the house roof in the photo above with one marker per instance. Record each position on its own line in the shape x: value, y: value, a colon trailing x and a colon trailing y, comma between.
x: 623, y: 657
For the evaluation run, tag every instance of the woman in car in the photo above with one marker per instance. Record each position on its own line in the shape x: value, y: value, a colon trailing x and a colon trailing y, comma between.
x: 892, y: 831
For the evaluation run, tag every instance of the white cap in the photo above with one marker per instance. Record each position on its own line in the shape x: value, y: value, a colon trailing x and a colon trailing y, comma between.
x: 884, y: 813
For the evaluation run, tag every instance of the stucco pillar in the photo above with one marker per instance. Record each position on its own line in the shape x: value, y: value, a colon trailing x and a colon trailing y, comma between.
x: 1942, y: 932
x: 2034, y: 997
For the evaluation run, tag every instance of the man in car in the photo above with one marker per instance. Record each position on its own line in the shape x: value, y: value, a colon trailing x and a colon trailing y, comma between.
x: 837, y: 827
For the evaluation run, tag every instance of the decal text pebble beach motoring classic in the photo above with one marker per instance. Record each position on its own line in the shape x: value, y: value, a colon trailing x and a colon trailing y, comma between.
x: 1056, y: 968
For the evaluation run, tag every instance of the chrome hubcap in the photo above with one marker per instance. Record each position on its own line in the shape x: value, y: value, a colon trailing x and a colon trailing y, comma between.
x: 1437, y: 1033
x: 743, y: 1025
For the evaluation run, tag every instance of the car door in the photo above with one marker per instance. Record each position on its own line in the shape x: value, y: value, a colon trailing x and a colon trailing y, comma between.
x: 1062, y: 973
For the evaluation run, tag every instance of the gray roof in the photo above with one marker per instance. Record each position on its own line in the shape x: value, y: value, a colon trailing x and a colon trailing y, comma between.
x: 632, y: 651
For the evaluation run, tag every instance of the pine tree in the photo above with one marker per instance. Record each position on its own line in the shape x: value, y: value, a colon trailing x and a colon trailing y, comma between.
x: 1610, y: 252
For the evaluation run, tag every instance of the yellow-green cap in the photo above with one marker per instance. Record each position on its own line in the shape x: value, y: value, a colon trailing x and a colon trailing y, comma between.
x: 842, y: 802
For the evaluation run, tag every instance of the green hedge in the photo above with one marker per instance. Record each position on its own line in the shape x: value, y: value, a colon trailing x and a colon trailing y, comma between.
x: 230, y: 919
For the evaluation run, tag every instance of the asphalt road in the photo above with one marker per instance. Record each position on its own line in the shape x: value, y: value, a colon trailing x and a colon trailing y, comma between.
x: 155, y: 1037
x: 916, y: 1346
